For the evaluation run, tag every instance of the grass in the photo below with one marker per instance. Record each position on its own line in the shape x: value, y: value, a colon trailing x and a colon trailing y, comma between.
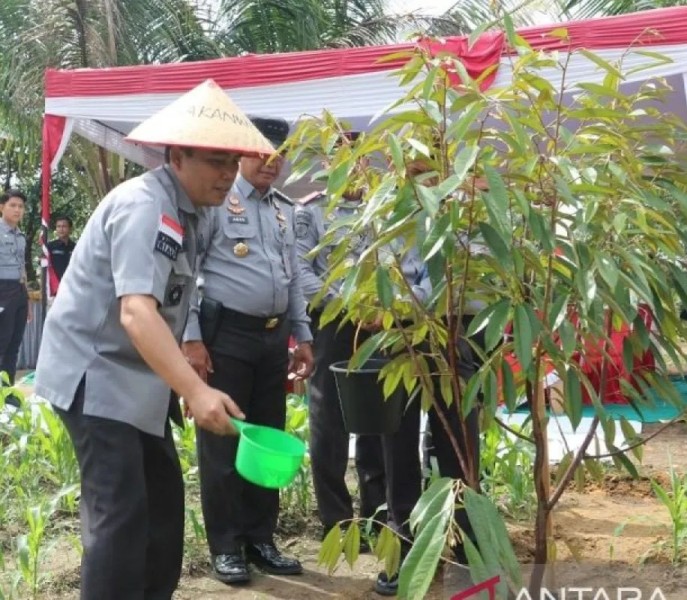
x: 39, y: 494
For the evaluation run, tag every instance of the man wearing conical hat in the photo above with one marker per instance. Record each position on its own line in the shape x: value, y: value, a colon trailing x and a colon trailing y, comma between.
x: 110, y: 362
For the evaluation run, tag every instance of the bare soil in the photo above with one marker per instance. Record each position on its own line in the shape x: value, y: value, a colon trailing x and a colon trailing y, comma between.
x: 616, y: 529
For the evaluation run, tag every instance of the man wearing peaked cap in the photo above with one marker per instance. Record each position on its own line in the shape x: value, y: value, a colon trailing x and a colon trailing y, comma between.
x: 118, y: 320
x: 329, y: 440
x: 238, y: 339
x: 275, y: 130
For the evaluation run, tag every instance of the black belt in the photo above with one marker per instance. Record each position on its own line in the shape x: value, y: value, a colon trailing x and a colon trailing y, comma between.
x: 249, y: 321
x: 10, y: 283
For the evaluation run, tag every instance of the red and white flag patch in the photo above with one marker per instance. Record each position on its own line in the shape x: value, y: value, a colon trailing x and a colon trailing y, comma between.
x: 170, y: 227
x: 170, y: 237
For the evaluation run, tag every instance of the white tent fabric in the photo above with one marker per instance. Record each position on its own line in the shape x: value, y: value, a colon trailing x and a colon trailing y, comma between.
x: 105, y: 120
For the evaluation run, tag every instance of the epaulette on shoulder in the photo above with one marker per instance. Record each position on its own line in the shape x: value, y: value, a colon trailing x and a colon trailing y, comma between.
x: 282, y: 197
x: 311, y: 198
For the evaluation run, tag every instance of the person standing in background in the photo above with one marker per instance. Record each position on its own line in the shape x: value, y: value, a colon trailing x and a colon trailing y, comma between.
x: 61, y: 249
x: 15, y: 310
x: 334, y: 342
x: 238, y: 340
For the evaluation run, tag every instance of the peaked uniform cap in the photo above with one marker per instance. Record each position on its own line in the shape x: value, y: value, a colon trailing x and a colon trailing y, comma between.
x: 275, y: 130
x: 204, y: 118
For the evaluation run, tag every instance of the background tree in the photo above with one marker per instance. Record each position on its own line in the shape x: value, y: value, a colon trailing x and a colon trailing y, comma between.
x: 583, y: 9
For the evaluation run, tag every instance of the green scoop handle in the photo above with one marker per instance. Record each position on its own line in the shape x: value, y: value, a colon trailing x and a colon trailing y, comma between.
x: 239, y: 424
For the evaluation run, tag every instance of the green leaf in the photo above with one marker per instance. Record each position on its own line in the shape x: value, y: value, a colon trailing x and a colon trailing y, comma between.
x: 465, y: 160
x: 349, y: 285
x: 429, y: 199
x: 628, y: 431
x: 436, y: 237
x: 385, y: 290
x: 627, y: 463
x: 481, y: 319
x: 595, y: 469
x: 496, y: 200
x: 351, y: 543
x: 460, y: 127
x: 330, y: 550
x: 338, y: 178
x: 367, y: 349
x: 508, y: 389
x: 446, y: 388
x: 586, y: 286
x: 559, y: 32
x: 608, y: 270
x: 492, y: 538
x: 498, y: 244
x: 478, y: 569
x: 573, y: 397
x: 428, y: 84
x: 558, y: 311
x: 431, y: 502
x: 421, y: 563
x: 522, y: 337
x: 496, y: 324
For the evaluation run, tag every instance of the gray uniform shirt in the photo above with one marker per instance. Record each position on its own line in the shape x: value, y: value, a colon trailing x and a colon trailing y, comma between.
x: 140, y: 240
x: 311, y: 226
x: 250, y: 264
x: 12, y: 252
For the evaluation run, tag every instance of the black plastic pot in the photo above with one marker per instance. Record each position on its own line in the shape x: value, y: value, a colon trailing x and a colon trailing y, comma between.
x: 364, y: 408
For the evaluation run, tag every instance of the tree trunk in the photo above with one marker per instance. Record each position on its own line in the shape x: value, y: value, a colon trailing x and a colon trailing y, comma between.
x: 543, y: 529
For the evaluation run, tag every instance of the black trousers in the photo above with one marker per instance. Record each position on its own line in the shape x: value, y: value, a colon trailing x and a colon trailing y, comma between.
x: 251, y: 366
x: 402, y: 457
x: 329, y: 439
x: 132, y: 508
x: 15, y: 305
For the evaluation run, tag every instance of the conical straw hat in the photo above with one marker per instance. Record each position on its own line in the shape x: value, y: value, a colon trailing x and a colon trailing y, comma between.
x: 206, y: 118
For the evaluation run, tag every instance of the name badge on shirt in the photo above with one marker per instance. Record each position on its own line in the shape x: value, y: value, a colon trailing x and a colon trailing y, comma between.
x: 170, y: 237
x: 238, y: 219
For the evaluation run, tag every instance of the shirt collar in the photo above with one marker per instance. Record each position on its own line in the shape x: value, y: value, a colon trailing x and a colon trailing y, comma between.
x: 183, y: 201
x: 248, y: 191
x: 6, y: 228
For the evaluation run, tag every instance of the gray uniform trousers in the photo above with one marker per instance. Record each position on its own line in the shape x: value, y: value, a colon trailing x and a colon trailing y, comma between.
x: 132, y: 507
x: 329, y: 439
x: 250, y: 364
x: 15, y: 305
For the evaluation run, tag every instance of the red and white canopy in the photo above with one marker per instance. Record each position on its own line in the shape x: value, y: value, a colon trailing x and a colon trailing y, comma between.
x: 103, y: 105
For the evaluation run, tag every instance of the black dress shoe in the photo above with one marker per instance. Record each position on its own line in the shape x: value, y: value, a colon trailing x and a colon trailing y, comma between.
x: 386, y: 586
x: 267, y: 558
x: 230, y: 568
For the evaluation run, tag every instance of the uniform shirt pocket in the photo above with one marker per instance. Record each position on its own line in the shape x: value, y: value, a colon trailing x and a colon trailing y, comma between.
x: 236, y: 229
x: 179, y: 282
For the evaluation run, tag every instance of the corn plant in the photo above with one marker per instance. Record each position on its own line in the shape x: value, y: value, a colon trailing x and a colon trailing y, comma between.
x: 185, y: 441
x: 296, y: 497
x: 506, y: 463
x: 8, y: 590
x: 674, y: 498
x: 31, y: 545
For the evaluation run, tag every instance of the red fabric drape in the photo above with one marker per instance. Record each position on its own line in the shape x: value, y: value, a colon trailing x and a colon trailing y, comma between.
x: 485, y: 53
x: 53, y: 130
x: 592, y: 360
